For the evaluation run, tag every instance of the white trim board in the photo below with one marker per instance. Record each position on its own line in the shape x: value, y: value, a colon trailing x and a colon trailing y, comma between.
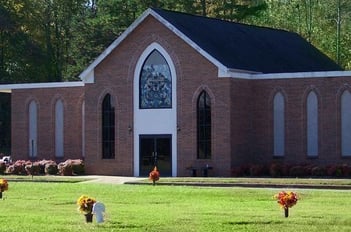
x: 9, y: 87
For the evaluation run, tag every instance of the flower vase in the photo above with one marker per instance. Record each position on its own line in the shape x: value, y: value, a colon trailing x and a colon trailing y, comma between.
x: 89, y: 217
x: 286, y: 212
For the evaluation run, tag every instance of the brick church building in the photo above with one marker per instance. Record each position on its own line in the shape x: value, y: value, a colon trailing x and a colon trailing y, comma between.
x: 182, y: 91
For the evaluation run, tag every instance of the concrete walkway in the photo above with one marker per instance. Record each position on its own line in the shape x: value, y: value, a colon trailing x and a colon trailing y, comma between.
x: 110, y: 179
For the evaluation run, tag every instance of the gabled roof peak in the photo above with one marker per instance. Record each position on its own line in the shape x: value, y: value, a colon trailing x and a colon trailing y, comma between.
x: 234, y: 46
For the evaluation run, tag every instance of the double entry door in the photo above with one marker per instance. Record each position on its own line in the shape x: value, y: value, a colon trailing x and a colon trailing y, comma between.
x: 155, y: 150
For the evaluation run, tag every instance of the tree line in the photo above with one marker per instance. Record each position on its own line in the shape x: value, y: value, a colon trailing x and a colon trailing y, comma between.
x: 54, y: 40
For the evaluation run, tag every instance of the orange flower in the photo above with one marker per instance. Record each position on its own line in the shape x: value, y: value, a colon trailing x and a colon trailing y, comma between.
x: 154, y: 175
x: 286, y: 199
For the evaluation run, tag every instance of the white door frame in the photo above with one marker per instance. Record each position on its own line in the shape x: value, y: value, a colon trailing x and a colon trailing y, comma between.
x: 155, y: 121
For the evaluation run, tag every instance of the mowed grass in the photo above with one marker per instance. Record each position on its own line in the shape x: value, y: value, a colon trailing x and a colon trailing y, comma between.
x: 51, y: 206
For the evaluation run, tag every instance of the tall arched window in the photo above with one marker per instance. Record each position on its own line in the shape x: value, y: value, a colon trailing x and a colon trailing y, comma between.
x: 346, y: 124
x: 204, y: 126
x: 278, y: 124
x: 108, y: 128
x: 83, y: 129
x: 312, y: 125
x: 33, y: 129
x: 155, y: 86
x: 59, y: 122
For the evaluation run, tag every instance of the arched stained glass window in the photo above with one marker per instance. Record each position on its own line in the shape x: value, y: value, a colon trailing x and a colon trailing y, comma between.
x: 204, y: 126
x: 108, y: 128
x: 312, y: 125
x: 155, y: 90
x: 279, y: 124
x: 59, y: 128
x: 346, y: 124
x: 33, y: 128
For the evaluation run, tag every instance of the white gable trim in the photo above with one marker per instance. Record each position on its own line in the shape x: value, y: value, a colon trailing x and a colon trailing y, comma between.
x: 9, y: 87
x: 87, y: 75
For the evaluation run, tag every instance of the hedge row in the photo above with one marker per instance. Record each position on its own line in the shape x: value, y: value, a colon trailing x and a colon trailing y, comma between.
x: 292, y: 170
x: 43, y: 167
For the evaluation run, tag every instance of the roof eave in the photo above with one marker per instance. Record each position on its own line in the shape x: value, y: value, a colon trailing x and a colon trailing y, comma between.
x: 7, y: 88
x: 242, y: 74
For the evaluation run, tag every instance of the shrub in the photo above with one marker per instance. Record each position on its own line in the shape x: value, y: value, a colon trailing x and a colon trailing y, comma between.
x: 18, y: 168
x: 308, y: 169
x: 331, y: 170
x: 346, y: 170
x: 10, y: 169
x: 51, y: 167
x: 2, y: 167
x: 242, y: 170
x: 276, y: 170
x: 64, y: 169
x: 78, y: 167
x: 42, y: 167
x: 32, y: 168
x: 318, y: 171
x: 71, y: 167
x: 297, y: 171
x: 237, y: 171
x: 285, y: 169
x: 257, y: 170
x: 334, y: 170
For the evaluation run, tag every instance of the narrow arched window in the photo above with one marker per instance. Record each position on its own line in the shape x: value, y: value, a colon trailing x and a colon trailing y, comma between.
x: 59, y: 122
x: 83, y: 129
x: 204, y: 126
x: 278, y: 124
x: 346, y: 124
x: 155, y: 86
x: 108, y: 128
x: 312, y: 125
x: 33, y: 129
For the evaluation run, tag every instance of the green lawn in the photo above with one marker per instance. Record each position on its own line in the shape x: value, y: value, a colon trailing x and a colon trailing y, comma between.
x: 51, y: 206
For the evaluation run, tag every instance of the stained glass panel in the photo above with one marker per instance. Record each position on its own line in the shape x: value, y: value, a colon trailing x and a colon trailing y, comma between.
x: 155, y: 83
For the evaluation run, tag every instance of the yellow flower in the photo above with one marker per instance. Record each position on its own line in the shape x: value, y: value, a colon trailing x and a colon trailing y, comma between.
x: 3, y: 185
x: 85, y: 204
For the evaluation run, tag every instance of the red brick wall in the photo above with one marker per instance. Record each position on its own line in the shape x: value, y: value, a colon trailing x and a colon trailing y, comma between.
x: 241, y: 121
x: 46, y: 98
x: 295, y: 92
x: 194, y: 73
x: 242, y: 127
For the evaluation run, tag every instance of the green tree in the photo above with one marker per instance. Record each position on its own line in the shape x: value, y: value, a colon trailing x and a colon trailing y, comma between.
x: 54, y: 40
x: 96, y: 27
x: 20, y: 55
x: 326, y: 24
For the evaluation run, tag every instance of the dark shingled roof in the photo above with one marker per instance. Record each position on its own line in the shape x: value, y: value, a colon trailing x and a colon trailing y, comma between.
x: 251, y: 48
